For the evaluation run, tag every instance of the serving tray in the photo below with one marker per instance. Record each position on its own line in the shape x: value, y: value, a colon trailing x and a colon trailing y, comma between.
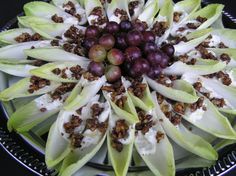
x: 31, y: 156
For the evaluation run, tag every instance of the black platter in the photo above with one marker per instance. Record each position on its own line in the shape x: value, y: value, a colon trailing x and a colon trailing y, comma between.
x: 29, y: 157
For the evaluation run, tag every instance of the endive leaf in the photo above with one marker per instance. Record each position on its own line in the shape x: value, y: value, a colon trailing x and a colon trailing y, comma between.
x: 111, y: 7
x: 137, y: 9
x: 89, y: 90
x: 220, y: 126
x: 50, y: 30
x: 230, y: 51
x: 89, y: 7
x: 161, y: 162
x: 145, y: 102
x: 46, y: 10
x: 45, y: 71
x: 181, y: 91
x: 17, y: 70
x: 227, y: 36
x: 20, y: 89
x: 188, y: 7
x: 183, y: 137
x: 15, y: 52
x: 184, y: 47
x: 128, y: 110
x: 149, y: 12
x: 201, y: 67
x: 212, y: 12
x: 224, y: 142
x: 194, y: 162
x: 120, y: 168
x: 78, y: 8
x: 29, y: 115
x: 166, y: 12
x: 227, y: 92
x: 8, y: 37
x: 27, y: 21
x: 78, y: 158
x: 57, y: 148
x: 48, y: 54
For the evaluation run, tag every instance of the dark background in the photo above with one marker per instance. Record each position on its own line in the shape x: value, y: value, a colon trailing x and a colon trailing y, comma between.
x: 8, y: 10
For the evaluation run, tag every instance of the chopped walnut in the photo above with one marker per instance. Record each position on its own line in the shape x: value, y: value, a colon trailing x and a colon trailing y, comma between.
x: 57, y: 19
x: 177, y: 16
x: 159, y: 136
x: 24, y: 37
x: 145, y: 122
x: 37, y: 83
x: 120, y: 131
x: 159, y: 28
x: 132, y: 5
x: 122, y: 14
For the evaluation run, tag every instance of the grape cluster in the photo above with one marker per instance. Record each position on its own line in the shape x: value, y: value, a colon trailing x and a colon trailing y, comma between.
x: 128, y: 46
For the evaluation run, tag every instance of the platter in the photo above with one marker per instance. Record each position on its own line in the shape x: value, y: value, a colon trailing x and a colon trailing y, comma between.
x: 32, y: 156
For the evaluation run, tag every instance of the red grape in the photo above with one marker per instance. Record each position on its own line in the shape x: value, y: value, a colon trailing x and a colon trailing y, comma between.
x: 155, y: 58
x: 168, y: 49
x: 132, y: 53
x: 121, y: 41
x: 140, y: 67
x: 164, y: 61
x: 154, y: 72
x: 134, y: 38
x: 107, y: 41
x: 89, y: 42
x: 139, y: 26
x: 149, y: 47
x: 92, y: 31
x: 112, y: 27
x: 125, y: 25
x: 97, y: 53
x: 115, y: 56
x: 148, y: 36
x: 96, y: 68
x: 113, y: 73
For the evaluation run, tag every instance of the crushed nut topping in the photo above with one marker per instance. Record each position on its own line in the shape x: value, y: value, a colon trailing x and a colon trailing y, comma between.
x: 165, y: 80
x: 74, y: 122
x: 102, y: 19
x: 204, y: 53
x: 37, y: 83
x: 26, y: 37
x: 221, y: 76
x: 137, y: 88
x: 198, y: 105
x: 89, y: 76
x: 76, y: 72
x: 75, y: 34
x: 96, y: 110
x: 201, y: 19
x: 120, y: 131
x: 132, y: 6
x: 219, y: 102
x: 122, y: 14
x: 57, y: 19
x: 61, y: 90
x: 159, y: 28
x: 76, y: 140
x: 159, y: 136
x: 222, y: 45
x: 55, y: 43
x: 116, y: 89
x: 145, y: 122
x: 225, y: 57
x: 177, y: 16
x: 179, y: 107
